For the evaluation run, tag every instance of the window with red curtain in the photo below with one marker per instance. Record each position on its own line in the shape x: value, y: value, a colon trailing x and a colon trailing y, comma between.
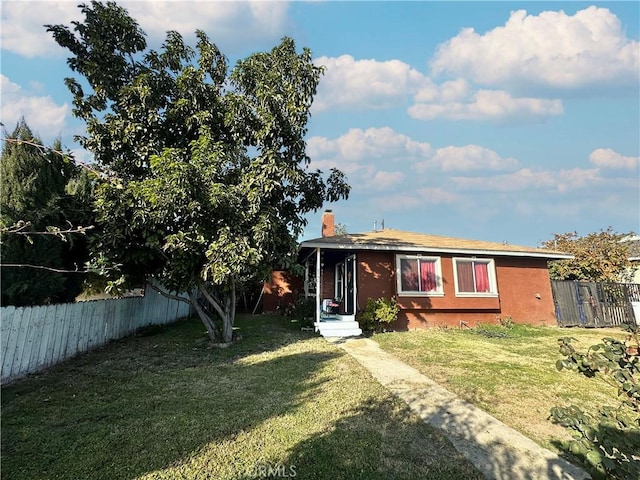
x: 419, y: 275
x: 428, y: 281
x: 481, y: 271
x: 473, y: 276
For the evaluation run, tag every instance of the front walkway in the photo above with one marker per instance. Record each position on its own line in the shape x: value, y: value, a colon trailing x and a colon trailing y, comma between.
x: 497, y: 450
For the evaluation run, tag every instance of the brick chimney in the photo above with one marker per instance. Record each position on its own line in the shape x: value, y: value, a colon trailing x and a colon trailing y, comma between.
x: 328, y: 224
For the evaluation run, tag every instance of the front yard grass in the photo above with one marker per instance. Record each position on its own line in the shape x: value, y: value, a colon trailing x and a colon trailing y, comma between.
x: 508, y: 372
x: 163, y: 405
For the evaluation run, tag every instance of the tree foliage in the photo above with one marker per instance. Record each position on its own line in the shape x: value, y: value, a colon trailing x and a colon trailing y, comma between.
x: 599, y: 256
x: 206, y: 173
x: 42, y: 191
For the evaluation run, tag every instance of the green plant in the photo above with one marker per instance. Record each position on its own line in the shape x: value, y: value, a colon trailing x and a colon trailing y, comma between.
x: 491, y: 331
x: 302, y: 309
x: 609, y: 440
x: 378, y: 313
x: 506, y: 321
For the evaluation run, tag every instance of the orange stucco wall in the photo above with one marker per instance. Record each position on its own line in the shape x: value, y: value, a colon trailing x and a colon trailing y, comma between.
x: 524, y: 292
x: 520, y: 282
x: 281, y: 290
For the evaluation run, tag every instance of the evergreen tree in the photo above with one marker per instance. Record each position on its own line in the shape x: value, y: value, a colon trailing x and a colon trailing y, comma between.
x: 34, y: 184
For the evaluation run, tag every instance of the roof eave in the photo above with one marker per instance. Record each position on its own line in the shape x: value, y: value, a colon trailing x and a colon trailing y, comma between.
x: 418, y: 248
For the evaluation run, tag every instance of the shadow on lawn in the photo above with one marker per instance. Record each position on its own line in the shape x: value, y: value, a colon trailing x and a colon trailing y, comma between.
x: 402, y: 446
x: 144, y: 403
x: 498, y: 451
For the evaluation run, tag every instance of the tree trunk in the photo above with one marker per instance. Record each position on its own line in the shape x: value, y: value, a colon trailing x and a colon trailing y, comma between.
x: 225, y: 308
x: 212, y: 329
x: 229, y: 313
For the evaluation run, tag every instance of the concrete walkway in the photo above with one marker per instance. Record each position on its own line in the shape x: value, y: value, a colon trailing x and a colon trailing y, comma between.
x: 497, y: 450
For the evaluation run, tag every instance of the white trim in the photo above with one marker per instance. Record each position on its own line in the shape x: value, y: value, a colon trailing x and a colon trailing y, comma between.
x: 409, y: 248
x: 401, y: 293
x: 318, y: 285
x: 491, y: 270
x: 355, y: 281
x: 339, y: 294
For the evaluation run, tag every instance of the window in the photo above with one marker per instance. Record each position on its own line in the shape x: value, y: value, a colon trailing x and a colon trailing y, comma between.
x: 339, y: 284
x: 475, y: 277
x: 419, y: 275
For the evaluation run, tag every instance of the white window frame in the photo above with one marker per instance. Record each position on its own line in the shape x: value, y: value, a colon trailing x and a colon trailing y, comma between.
x: 491, y: 270
x: 338, y: 281
x: 439, y: 292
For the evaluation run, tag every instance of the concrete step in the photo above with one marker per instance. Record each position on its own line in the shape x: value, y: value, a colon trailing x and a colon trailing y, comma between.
x: 338, y: 328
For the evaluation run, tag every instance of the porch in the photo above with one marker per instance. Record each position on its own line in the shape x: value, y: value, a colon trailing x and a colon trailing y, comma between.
x: 330, y: 278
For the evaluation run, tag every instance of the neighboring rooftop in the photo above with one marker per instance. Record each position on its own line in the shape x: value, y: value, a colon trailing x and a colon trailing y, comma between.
x: 633, y: 242
x: 390, y: 239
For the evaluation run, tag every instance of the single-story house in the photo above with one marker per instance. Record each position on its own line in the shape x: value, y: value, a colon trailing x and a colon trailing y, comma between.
x: 632, y: 275
x: 436, y: 280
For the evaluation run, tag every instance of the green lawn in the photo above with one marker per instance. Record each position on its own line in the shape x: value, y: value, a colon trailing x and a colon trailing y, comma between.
x: 509, y: 373
x: 165, y: 405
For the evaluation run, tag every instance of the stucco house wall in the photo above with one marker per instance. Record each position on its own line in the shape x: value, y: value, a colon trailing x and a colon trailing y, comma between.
x: 524, y: 293
x: 281, y: 290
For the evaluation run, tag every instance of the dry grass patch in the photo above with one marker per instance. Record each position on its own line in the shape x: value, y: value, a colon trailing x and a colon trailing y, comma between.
x: 509, y: 373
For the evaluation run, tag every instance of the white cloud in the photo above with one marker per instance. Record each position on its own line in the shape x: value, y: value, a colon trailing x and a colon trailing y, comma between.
x: 486, y: 104
x: 42, y: 114
x: 607, y: 158
x: 527, y: 179
x: 437, y: 196
x: 552, y: 49
x: 232, y: 24
x: 382, y: 180
x: 365, y: 156
x: 468, y: 157
x: 227, y: 22
x: 23, y: 30
x: 370, y: 84
x: 351, y: 83
x: 373, y: 143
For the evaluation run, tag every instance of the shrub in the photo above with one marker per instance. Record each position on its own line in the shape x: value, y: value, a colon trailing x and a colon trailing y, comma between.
x: 506, y: 321
x: 378, y: 313
x: 608, y: 441
x: 302, y: 309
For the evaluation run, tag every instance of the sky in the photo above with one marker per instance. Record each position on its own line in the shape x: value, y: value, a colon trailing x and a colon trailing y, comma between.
x: 499, y: 121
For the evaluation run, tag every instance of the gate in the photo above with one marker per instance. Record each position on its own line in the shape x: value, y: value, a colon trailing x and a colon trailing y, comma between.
x: 594, y: 304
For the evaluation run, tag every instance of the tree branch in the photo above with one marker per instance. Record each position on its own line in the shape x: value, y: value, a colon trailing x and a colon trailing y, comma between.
x: 212, y: 330
x: 205, y: 293
x: 19, y: 228
x: 41, y: 267
x: 169, y: 295
x: 43, y: 149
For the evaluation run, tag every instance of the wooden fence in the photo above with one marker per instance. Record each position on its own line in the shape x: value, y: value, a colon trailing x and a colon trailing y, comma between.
x: 34, y: 338
x: 594, y: 304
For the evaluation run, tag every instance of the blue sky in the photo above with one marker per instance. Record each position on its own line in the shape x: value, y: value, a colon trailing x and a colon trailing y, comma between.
x: 500, y: 121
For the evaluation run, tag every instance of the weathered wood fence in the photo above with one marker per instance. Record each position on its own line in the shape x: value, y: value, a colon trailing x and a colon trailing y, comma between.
x: 594, y: 304
x: 34, y: 338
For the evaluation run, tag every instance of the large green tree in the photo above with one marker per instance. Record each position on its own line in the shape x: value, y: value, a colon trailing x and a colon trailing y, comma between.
x: 41, y: 191
x: 599, y: 256
x: 206, y: 178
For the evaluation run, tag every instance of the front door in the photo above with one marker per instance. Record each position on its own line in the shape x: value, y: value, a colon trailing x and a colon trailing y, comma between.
x: 345, y: 284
